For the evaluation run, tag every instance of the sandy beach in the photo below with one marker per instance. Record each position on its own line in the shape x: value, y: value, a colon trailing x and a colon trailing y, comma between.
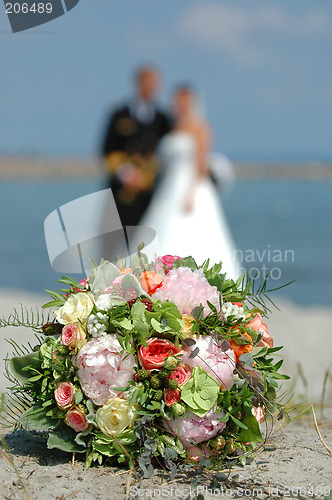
x: 293, y: 463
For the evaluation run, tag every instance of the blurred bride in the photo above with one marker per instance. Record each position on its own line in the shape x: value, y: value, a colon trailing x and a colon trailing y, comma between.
x: 185, y: 211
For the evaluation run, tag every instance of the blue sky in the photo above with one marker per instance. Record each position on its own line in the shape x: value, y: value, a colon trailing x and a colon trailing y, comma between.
x: 263, y: 69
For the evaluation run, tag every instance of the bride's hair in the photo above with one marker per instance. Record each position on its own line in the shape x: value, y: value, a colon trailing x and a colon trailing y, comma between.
x: 197, y: 100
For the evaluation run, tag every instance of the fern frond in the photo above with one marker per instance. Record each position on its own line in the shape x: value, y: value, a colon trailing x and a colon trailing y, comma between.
x: 30, y: 318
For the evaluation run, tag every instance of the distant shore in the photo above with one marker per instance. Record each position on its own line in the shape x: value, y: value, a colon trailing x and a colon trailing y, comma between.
x: 26, y: 168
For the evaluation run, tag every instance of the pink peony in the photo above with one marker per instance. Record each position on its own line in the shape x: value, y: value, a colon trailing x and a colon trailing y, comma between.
x: 154, y: 355
x: 192, y: 429
x: 257, y: 324
x: 188, y: 289
x: 166, y: 261
x: 213, y: 360
x: 72, y: 334
x: 102, y: 368
x: 64, y: 395
x: 76, y: 419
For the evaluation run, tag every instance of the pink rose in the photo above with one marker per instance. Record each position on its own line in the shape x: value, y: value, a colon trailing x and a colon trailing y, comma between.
x: 172, y: 396
x: 154, y: 355
x: 257, y: 324
x: 213, y: 360
x: 76, y: 419
x: 191, y: 428
x: 166, y: 261
x: 65, y: 395
x: 72, y: 334
x: 181, y: 373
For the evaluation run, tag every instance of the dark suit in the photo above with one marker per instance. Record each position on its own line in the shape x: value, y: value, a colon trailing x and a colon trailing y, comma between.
x: 131, y: 140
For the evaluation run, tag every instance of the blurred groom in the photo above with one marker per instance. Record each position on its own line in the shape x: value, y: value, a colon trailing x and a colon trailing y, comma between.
x: 130, y: 144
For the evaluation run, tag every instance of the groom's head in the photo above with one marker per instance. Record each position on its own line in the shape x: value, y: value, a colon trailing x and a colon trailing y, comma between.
x: 147, y: 82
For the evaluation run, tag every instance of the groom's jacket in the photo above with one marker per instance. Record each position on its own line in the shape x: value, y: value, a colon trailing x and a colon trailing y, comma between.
x: 132, y: 136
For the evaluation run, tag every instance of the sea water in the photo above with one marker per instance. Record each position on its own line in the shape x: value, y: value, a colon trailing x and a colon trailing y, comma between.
x: 282, y: 229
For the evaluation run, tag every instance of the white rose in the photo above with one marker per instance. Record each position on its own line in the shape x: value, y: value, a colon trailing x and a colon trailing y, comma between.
x: 115, y: 416
x: 77, y: 308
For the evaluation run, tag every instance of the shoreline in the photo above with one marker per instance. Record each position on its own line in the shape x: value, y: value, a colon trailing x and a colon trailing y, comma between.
x: 40, y: 168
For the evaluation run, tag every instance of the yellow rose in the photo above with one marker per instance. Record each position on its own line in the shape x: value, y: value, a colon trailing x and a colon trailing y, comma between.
x: 188, y: 323
x: 76, y: 309
x: 115, y: 416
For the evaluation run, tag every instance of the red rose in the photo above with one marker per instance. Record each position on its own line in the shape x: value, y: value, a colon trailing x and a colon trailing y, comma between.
x: 76, y: 419
x: 154, y: 355
x: 181, y: 373
x: 166, y: 261
x: 64, y: 395
x: 172, y: 396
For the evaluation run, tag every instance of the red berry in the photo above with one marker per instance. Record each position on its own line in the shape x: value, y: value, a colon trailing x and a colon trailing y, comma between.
x: 148, y: 304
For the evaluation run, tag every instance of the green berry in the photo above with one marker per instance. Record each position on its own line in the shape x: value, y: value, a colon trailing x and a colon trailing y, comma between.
x: 218, y: 443
x: 178, y: 409
x: 157, y: 395
x: 143, y: 374
x: 155, y: 382
x: 172, y: 383
x: 170, y: 363
x: 163, y: 374
x: 230, y: 447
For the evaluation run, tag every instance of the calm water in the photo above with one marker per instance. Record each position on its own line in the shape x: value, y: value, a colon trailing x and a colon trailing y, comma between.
x: 284, y: 226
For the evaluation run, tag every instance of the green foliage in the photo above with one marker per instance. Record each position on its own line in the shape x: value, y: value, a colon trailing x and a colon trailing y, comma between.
x: 63, y: 438
x: 24, y: 367
x: 200, y: 392
x: 35, y: 419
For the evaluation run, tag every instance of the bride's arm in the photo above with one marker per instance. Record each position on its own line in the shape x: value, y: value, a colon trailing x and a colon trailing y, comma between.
x: 202, y: 136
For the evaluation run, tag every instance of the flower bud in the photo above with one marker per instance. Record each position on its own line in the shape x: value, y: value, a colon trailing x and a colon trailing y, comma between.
x: 170, y: 363
x: 178, y: 409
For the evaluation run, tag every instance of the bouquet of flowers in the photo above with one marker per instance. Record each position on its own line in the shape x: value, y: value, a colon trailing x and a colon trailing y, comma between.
x: 152, y: 364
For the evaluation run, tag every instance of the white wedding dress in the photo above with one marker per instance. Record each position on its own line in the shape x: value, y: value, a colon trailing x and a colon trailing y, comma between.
x: 202, y: 233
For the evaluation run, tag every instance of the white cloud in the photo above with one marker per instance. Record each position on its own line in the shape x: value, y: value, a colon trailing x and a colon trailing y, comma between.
x: 236, y: 30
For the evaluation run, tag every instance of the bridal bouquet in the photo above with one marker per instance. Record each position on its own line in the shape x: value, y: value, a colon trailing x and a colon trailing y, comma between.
x: 149, y: 365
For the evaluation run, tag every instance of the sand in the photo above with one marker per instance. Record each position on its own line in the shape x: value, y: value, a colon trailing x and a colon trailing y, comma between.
x: 295, y: 463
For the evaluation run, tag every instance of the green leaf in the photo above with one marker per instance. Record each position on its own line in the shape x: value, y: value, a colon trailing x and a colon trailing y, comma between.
x: 252, y: 433
x: 17, y: 365
x: 186, y: 262
x: 238, y: 422
x: 64, y: 439
x: 200, y: 392
x: 247, y: 358
x: 35, y: 419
